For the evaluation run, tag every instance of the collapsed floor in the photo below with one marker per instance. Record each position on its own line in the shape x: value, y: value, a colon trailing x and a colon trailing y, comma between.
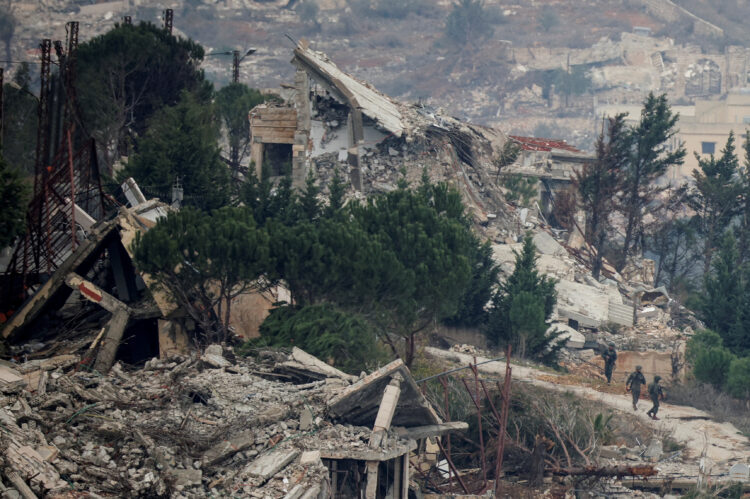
x: 277, y: 426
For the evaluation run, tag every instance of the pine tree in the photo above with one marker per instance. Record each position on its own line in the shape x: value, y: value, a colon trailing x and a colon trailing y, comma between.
x: 124, y: 76
x: 721, y: 305
x: 715, y: 197
x: 521, y: 306
x: 650, y: 158
x: 743, y: 239
x: 181, y: 144
x: 472, y: 307
x: 206, y: 260
x: 599, y: 181
x: 309, y: 204
x: 336, y: 191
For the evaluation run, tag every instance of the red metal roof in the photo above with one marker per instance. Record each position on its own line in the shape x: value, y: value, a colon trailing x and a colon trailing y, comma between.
x: 540, y: 144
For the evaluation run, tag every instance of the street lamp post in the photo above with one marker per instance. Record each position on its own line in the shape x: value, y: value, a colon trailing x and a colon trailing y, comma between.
x: 234, y: 153
x: 236, y: 60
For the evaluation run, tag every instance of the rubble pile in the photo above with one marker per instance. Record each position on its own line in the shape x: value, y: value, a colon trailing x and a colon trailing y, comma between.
x: 179, y: 426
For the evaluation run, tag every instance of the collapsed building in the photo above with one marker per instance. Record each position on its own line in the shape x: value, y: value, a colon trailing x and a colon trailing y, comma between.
x: 281, y: 425
x: 332, y: 121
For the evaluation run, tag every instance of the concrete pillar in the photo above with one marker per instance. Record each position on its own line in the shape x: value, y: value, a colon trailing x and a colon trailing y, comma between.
x: 397, y: 477
x: 111, y: 340
x: 386, y: 411
x: 371, y: 488
x: 405, y: 477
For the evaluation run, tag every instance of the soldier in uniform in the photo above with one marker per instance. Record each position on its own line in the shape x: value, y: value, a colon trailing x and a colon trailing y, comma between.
x: 633, y: 385
x: 656, y: 393
x: 610, y: 357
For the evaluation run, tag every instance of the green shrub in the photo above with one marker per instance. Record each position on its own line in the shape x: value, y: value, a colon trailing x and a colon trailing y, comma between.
x: 337, y: 337
x: 521, y: 307
x: 700, y: 341
x: 711, y: 365
x: 738, y: 379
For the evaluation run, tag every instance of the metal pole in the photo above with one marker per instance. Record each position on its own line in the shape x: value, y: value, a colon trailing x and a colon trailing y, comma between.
x: 71, y: 172
x: 236, y: 66
x: 447, y: 437
x: 168, y: 20
x: 479, y: 421
x: 504, y: 422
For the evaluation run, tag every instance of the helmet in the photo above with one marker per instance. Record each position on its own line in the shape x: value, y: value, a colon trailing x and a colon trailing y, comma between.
x: 656, y: 378
x: 638, y: 368
x: 611, y: 344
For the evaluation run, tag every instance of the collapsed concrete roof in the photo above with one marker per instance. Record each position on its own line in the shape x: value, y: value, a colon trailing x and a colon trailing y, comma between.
x: 359, y: 95
x: 359, y: 403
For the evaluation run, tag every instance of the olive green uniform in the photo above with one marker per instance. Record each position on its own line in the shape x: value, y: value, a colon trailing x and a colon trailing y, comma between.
x: 610, y: 358
x: 656, y: 392
x: 634, y: 382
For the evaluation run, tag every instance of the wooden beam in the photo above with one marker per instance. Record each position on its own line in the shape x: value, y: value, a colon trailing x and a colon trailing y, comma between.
x: 36, y: 304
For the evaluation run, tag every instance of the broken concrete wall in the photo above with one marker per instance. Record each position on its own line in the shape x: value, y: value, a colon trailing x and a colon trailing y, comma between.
x: 653, y: 363
x: 271, y: 127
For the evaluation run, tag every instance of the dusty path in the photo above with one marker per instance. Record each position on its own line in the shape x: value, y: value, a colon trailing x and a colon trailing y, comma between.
x: 724, y: 444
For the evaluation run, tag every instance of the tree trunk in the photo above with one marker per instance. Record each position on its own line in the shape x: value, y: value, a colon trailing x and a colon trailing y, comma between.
x: 536, y: 467
x: 632, y: 209
x: 409, y: 354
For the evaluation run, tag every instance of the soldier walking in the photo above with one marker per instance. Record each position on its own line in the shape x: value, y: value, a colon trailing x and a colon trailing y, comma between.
x: 610, y: 357
x: 656, y: 393
x: 633, y: 385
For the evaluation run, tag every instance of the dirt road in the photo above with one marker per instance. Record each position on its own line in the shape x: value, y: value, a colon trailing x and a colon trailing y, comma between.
x: 723, y: 443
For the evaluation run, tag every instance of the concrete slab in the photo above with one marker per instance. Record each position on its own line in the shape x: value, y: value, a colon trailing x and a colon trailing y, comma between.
x: 547, y: 245
x: 588, y: 301
x: 269, y: 464
x: 571, y: 337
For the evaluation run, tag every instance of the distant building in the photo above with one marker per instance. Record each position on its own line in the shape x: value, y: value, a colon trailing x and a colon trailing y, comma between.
x: 703, y: 127
x: 554, y: 162
x: 706, y: 132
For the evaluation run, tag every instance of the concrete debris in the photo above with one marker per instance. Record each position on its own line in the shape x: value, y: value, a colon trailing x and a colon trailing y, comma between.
x: 654, y: 450
x: 571, y: 337
x: 177, y: 428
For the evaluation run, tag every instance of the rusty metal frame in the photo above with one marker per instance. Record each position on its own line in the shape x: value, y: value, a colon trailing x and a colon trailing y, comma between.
x: 501, y: 417
x: 69, y: 178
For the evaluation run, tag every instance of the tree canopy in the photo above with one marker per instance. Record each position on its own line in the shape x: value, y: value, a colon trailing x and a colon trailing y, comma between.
x: 650, y: 158
x: 206, y: 260
x: 181, y: 144
x: 130, y: 72
x: 233, y: 103
x: 521, y: 307
x: 715, y: 197
x: 599, y: 181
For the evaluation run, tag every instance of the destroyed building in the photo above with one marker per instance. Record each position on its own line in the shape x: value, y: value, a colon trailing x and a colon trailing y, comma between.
x: 279, y: 426
x: 333, y: 121
x: 283, y: 424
